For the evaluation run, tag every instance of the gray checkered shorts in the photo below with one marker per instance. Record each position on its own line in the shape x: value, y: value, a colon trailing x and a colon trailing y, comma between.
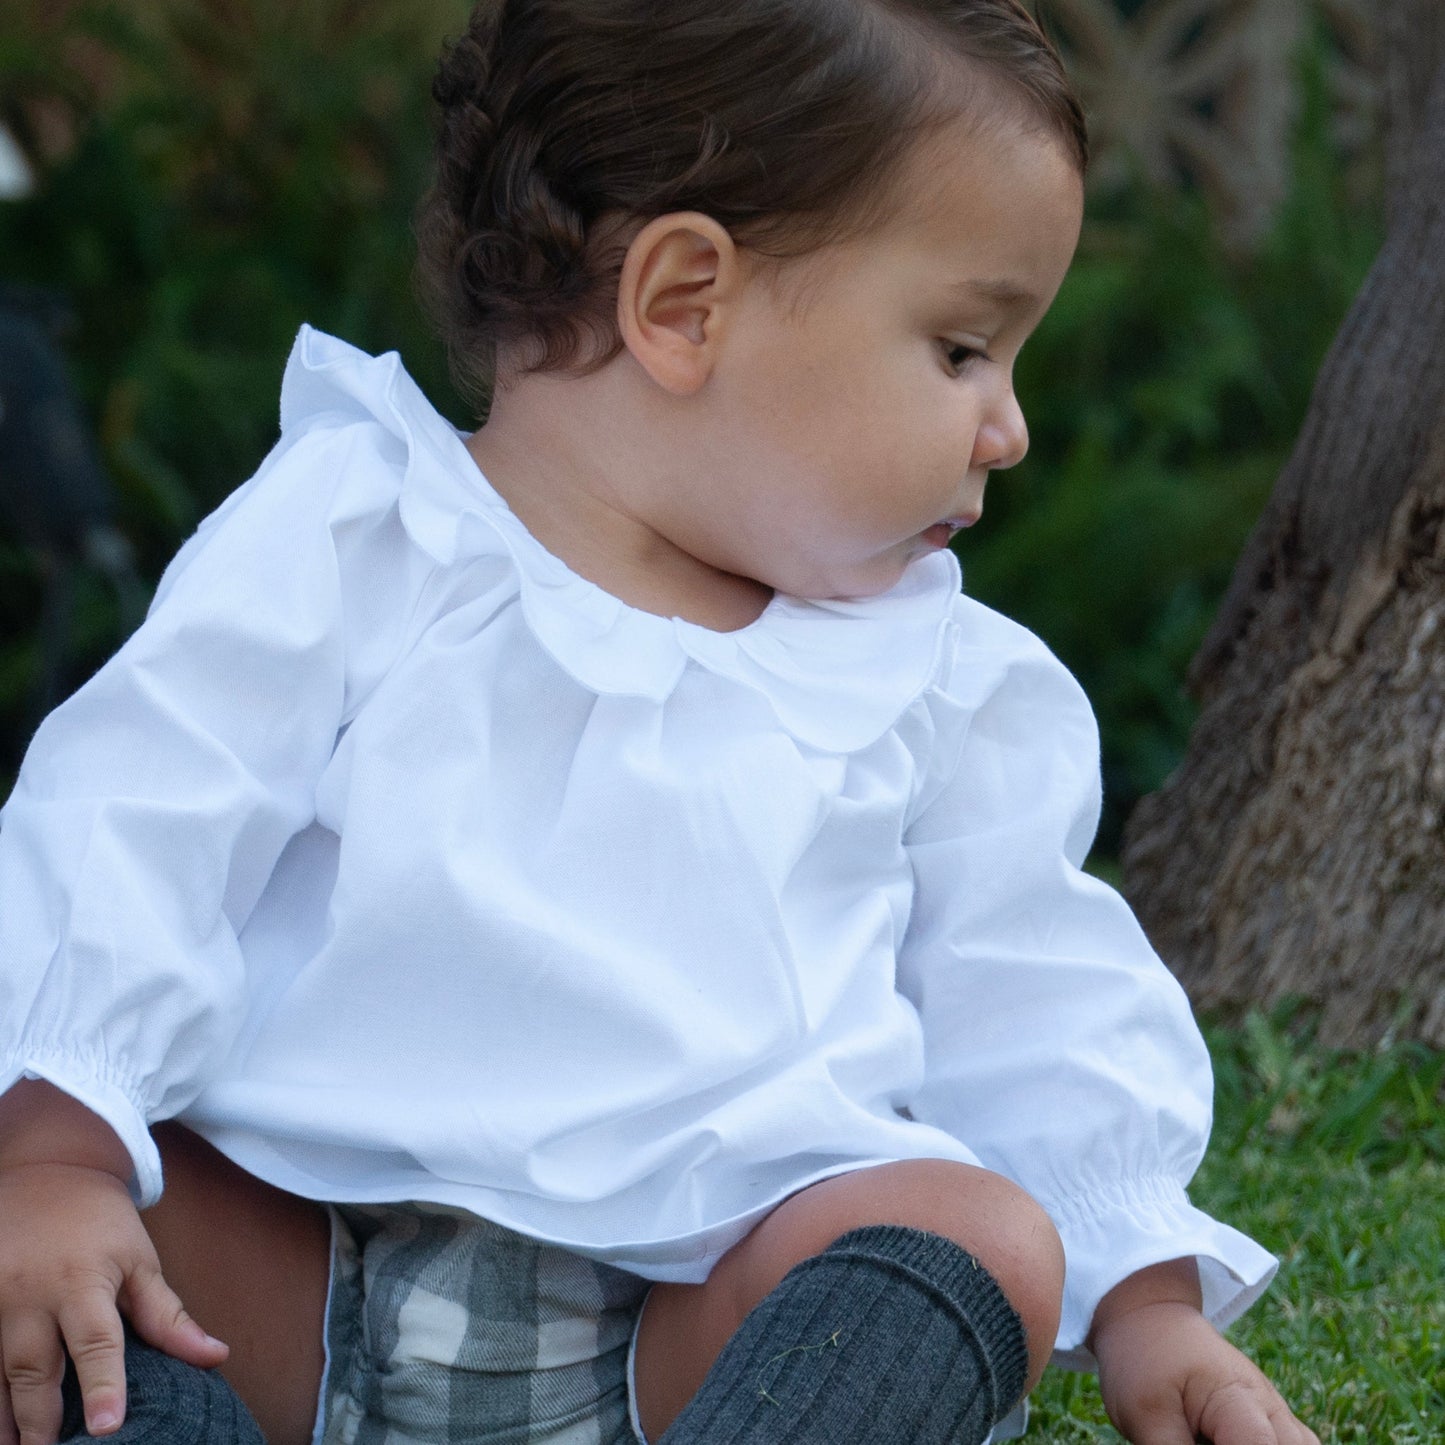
x: 445, y: 1329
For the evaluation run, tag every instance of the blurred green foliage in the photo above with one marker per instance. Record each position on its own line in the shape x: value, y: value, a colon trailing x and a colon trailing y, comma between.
x: 219, y: 171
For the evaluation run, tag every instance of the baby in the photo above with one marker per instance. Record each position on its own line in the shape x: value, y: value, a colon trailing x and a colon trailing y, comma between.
x: 600, y: 910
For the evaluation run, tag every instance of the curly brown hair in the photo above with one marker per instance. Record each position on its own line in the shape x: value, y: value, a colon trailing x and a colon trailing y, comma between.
x: 561, y: 121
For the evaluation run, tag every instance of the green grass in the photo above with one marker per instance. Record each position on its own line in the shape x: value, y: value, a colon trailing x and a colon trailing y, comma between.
x: 1336, y: 1162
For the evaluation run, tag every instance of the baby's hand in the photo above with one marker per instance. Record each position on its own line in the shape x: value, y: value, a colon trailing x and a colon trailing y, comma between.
x: 73, y: 1254
x: 1169, y: 1378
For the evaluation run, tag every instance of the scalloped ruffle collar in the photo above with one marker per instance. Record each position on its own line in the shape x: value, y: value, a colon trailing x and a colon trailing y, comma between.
x: 838, y: 674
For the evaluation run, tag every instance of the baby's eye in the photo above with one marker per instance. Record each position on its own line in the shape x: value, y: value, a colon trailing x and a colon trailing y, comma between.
x: 957, y: 356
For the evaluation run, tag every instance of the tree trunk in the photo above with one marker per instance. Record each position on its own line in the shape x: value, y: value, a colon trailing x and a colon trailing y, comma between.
x: 1299, y: 850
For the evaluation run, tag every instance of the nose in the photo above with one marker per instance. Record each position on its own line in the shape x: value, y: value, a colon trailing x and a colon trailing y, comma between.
x: 1003, y: 435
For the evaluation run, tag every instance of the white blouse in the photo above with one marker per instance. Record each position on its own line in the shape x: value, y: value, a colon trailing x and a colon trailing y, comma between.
x: 403, y: 863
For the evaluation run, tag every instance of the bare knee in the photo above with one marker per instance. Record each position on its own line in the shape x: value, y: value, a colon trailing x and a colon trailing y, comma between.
x: 996, y: 1221
x: 685, y: 1327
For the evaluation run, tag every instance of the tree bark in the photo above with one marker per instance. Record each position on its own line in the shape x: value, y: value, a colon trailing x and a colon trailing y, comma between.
x: 1299, y: 850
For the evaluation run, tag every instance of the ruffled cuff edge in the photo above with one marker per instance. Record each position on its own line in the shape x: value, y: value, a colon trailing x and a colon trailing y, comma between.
x: 107, y: 1096
x: 1148, y: 1222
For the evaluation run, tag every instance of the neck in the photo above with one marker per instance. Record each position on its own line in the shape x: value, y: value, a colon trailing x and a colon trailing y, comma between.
x: 588, y: 464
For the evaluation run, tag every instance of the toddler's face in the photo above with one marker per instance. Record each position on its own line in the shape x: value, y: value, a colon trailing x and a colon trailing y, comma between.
x: 869, y: 394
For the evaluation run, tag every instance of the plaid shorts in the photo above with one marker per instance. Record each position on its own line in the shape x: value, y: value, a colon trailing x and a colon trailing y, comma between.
x: 446, y: 1329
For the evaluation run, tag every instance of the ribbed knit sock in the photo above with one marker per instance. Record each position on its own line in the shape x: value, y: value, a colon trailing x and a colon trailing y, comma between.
x: 168, y: 1402
x: 890, y: 1336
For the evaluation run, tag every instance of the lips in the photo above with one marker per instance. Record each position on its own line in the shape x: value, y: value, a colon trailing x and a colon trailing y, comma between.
x: 941, y: 533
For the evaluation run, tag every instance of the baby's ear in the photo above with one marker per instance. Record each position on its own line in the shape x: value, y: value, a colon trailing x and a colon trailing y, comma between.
x: 678, y: 283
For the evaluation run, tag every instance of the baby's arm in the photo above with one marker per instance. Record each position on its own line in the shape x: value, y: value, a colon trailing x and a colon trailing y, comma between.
x: 1061, y: 1051
x: 147, y: 820
x: 1168, y: 1377
x: 73, y: 1252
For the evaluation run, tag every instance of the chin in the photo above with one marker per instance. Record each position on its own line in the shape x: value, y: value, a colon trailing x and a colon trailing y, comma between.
x: 861, y: 591
x: 868, y: 579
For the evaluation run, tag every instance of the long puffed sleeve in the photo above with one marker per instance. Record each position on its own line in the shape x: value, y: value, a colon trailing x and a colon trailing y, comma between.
x: 153, y: 805
x: 1058, y: 1047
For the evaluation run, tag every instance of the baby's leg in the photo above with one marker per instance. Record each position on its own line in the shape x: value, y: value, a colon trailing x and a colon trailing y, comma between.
x: 685, y: 1327
x: 251, y: 1264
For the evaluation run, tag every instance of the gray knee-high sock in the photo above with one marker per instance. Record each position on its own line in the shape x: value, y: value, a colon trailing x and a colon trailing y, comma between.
x: 890, y: 1336
x: 168, y: 1402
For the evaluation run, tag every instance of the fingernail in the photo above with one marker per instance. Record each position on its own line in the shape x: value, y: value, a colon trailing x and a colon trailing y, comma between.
x: 103, y: 1420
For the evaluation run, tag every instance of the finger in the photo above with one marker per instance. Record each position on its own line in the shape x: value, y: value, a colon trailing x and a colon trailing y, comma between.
x: 1158, y: 1420
x: 95, y: 1338
x: 34, y: 1367
x: 8, y: 1433
x: 1290, y: 1430
x: 1159, y: 1429
x: 1236, y: 1416
x: 160, y: 1319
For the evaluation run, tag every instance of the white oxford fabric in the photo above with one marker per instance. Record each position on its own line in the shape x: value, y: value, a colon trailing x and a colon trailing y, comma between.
x: 403, y: 863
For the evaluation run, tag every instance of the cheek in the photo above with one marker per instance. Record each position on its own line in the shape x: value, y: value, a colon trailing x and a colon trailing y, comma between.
x: 825, y: 430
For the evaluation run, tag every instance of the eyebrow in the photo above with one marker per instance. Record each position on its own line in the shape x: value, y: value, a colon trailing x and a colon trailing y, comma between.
x: 1004, y: 293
